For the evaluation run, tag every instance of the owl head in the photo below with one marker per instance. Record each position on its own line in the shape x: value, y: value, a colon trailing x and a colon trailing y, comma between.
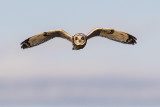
x: 79, y: 41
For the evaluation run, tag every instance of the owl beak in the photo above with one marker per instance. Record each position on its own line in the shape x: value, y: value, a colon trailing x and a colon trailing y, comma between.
x: 79, y: 40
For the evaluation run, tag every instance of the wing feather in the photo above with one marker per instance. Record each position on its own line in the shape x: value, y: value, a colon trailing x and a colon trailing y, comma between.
x: 113, y: 35
x: 43, y: 37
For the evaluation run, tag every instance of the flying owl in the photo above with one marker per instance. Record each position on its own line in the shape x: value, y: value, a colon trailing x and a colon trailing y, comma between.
x: 79, y: 40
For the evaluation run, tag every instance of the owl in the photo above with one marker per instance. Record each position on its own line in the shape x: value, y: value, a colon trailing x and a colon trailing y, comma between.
x: 79, y: 40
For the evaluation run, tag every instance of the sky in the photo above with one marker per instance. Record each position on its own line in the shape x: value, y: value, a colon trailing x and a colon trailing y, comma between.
x: 104, y: 73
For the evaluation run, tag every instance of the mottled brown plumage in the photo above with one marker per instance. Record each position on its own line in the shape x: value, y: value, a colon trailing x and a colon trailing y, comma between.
x: 79, y: 40
x: 113, y: 35
x: 43, y: 37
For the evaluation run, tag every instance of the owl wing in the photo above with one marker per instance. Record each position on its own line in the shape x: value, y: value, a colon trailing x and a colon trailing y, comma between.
x: 113, y: 35
x: 43, y: 37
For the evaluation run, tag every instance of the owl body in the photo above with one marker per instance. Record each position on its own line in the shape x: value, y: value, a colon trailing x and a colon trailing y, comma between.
x: 79, y: 40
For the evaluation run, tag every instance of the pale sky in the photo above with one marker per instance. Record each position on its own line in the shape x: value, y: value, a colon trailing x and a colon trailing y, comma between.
x: 105, y: 72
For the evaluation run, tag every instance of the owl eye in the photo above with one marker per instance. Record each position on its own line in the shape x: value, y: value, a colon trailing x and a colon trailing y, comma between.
x: 76, y: 38
x: 82, y: 38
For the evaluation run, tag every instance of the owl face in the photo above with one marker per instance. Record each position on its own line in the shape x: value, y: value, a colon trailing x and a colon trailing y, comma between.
x: 79, y: 39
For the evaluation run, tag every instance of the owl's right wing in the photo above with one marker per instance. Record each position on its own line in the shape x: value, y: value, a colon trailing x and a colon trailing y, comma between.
x: 43, y: 37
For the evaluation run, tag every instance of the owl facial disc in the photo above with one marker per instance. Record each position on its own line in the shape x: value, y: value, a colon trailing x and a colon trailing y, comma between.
x: 79, y: 39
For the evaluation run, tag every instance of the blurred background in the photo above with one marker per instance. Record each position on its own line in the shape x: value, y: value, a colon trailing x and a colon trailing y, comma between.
x: 104, y: 73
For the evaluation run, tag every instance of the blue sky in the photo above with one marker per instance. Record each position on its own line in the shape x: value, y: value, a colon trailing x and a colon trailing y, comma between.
x: 104, y: 72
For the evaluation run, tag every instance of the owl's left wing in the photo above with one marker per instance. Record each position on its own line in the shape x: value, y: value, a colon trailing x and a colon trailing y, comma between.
x: 113, y: 35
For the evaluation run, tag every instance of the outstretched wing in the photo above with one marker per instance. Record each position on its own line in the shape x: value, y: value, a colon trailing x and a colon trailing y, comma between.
x: 43, y: 37
x: 113, y: 35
